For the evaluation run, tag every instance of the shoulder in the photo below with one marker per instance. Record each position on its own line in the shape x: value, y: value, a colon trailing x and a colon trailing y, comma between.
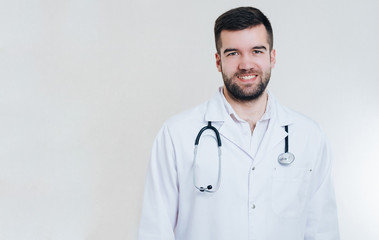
x: 300, y: 122
x: 307, y: 136
x: 182, y: 123
x: 186, y: 124
x: 300, y: 118
x: 188, y: 116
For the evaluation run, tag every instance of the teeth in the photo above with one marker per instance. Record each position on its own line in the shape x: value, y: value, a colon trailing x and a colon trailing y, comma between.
x: 248, y: 77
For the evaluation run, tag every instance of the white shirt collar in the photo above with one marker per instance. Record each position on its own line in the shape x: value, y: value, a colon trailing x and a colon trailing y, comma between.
x: 233, y: 114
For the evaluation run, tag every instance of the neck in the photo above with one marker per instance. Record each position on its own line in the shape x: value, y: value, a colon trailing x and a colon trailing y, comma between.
x: 250, y: 111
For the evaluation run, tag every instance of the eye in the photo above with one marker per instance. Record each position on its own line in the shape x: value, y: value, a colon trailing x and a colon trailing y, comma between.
x: 257, y: 52
x: 232, y: 54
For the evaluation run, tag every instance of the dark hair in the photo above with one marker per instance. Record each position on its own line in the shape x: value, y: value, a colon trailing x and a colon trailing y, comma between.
x: 239, y: 19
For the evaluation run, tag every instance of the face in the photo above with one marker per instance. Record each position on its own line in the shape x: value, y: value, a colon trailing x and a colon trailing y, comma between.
x: 245, y: 61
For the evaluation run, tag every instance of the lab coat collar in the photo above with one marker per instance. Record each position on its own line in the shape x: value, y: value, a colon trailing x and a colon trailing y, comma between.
x: 220, y: 118
x: 216, y: 111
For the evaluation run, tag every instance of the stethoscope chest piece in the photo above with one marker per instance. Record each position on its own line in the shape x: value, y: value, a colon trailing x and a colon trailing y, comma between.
x: 286, y: 158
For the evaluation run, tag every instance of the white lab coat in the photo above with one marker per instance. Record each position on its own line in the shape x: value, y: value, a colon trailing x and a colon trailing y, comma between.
x: 258, y: 199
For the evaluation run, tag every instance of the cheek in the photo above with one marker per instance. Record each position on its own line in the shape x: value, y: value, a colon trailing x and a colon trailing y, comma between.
x: 264, y: 64
x: 229, y: 65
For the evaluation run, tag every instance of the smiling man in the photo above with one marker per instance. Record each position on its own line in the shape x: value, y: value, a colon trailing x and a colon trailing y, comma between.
x: 245, y: 59
x: 240, y: 166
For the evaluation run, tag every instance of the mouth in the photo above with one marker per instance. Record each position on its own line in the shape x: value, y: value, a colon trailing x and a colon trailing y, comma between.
x: 247, y: 77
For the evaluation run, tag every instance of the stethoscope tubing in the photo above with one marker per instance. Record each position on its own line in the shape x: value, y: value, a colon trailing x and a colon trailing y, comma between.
x: 285, y: 158
x: 209, y: 188
x: 209, y: 126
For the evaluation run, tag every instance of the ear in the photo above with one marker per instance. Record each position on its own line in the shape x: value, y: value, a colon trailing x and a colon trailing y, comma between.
x: 272, y: 58
x: 218, y: 62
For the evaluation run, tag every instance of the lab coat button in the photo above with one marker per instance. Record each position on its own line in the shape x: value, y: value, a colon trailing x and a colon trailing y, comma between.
x: 253, y: 168
x: 252, y: 206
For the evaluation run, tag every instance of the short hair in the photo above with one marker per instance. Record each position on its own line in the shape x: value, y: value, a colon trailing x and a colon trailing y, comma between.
x: 239, y: 19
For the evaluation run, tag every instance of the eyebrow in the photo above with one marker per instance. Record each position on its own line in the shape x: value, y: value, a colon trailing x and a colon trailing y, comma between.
x: 260, y: 47
x: 230, y: 50
x: 235, y: 49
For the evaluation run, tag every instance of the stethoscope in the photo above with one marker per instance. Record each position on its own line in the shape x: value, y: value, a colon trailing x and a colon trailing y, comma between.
x: 284, y: 159
x: 209, y: 188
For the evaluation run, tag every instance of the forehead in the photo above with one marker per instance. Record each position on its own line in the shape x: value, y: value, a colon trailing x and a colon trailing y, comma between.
x: 248, y: 37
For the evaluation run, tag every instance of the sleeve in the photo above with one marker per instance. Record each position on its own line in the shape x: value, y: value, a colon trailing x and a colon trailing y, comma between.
x: 160, y: 201
x: 322, y: 220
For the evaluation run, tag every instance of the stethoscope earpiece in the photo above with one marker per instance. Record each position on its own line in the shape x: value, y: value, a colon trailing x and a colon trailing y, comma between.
x: 202, y: 189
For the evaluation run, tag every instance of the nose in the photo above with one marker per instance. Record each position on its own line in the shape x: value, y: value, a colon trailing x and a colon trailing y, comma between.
x: 246, y: 63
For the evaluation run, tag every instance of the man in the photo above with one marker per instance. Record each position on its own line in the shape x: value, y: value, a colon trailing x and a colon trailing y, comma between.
x: 273, y: 180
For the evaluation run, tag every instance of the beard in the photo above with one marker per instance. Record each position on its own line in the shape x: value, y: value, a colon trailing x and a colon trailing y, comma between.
x: 249, y: 91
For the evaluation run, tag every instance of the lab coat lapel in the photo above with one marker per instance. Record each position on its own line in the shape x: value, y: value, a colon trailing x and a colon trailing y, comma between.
x: 275, y: 132
x: 231, y: 132
x: 217, y: 114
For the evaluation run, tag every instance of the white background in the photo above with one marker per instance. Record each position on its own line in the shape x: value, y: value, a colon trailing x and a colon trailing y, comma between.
x: 86, y: 84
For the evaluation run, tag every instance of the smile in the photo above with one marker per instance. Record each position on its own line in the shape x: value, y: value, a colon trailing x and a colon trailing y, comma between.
x: 247, y: 77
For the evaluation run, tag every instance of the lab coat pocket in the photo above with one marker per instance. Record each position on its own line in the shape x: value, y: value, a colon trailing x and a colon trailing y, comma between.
x: 289, y: 190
